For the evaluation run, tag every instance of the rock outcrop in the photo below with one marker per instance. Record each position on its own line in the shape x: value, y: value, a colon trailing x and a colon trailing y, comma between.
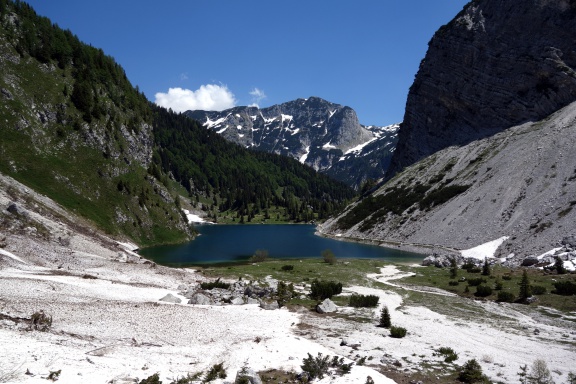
x: 498, y: 64
x: 518, y: 183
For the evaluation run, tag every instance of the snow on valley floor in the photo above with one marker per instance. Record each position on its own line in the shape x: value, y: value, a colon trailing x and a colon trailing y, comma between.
x: 107, y: 329
x: 498, y: 336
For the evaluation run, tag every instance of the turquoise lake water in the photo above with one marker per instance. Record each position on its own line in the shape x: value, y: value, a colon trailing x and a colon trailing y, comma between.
x: 236, y: 243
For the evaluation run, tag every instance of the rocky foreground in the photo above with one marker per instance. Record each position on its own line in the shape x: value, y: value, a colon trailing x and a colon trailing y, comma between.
x: 78, y: 306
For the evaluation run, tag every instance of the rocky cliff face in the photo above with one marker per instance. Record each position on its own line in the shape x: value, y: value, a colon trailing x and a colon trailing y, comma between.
x: 499, y: 63
x: 326, y: 136
x: 518, y: 183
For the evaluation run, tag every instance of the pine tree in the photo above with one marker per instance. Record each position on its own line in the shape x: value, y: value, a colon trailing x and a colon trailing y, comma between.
x: 385, y: 321
x: 559, y: 266
x: 486, y: 268
x: 453, y: 268
x: 471, y: 372
x: 525, y: 290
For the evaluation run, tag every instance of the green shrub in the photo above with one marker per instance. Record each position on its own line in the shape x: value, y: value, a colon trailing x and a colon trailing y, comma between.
x: 453, y: 283
x: 364, y: 301
x: 566, y: 288
x: 538, y: 290
x: 154, y: 379
x: 507, y: 297
x: 507, y: 277
x: 259, y: 256
x: 328, y: 257
x: 287, y: 267
x: 476, y: 281
x: 316, y: 367
x: 40, y: 321
x: 216, y: 372
x: 449, y: 354
x: 214, y: 284
x: 483, y: 291
x: 320, y: 290
x: 397, y: 332
x: 471, y: 373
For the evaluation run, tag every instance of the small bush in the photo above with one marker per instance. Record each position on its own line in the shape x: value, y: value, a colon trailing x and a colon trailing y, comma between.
x: 316, y: 367
x: 55, y: 375
x: 40, y: 321
x: 471, y: 373
x: 216, y: 372
x: 538, y: 290
x: 507, y: 277
x: 476, y: 281
x: 453, y: 283
x: 507, y: 297
x: 329, y: 257
x: 154, y: 379
x: 287, y: 267
x: 259, y: 256
x: 449, y: 354
x: 214, y: 284
x: 566, y: 288
x: 483, y: 291
x: 364, y: 301
x: 397, y: 332
x: 320, y: 290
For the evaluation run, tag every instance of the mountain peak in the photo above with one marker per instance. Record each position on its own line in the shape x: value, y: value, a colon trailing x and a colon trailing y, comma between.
x: 318, y: 133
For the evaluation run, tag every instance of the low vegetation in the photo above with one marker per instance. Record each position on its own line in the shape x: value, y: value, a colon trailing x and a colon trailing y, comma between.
x: 503, y: 284
x: 365, y: 301
x: 320, y: 290
x: 397, y: 332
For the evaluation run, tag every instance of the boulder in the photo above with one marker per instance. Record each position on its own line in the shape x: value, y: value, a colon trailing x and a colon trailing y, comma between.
x: 529, y: 261
x: 327, y: 306
x: 252, y: 301
x: 269, y: 305
x: 247, y: 374
x: 170, y: 298
x: 237, y: 301
x: 16, y: 209
x: 442, y: 261
x: 200, y: 299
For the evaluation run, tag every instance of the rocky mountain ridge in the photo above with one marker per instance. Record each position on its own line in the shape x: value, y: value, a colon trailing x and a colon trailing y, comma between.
x: 326, y: 136
x: 497, y: 64
x: 519, y: 183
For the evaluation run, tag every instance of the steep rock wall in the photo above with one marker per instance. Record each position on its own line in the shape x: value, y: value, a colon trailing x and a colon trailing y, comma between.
x: 499, y: 63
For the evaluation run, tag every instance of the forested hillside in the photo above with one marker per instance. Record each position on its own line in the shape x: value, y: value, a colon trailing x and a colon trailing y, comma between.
x: 75, y: 129
x: 237, y: 179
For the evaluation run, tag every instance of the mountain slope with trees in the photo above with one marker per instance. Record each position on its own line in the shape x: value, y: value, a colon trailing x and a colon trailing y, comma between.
x: 76, y: 130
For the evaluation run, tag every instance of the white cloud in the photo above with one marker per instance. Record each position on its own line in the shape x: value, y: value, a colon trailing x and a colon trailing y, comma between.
x: 184, y: 76
x: 210, y: 97
x: 257, y: 96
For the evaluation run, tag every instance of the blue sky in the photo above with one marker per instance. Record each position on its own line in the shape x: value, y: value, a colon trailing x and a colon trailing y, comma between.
x: 213, y: 54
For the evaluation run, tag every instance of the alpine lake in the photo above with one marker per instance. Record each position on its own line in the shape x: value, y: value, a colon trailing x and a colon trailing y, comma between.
x: 234, y: 244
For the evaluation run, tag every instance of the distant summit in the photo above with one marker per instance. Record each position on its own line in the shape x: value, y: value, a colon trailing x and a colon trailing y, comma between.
x: 321, y: 134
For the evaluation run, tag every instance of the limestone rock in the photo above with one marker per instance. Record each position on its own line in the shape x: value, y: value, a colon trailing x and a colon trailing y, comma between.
x: 495, y: 65
x: 200, y: 299
x: 269, y: 305
x: 170, y: 298
x: 327, y: 306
